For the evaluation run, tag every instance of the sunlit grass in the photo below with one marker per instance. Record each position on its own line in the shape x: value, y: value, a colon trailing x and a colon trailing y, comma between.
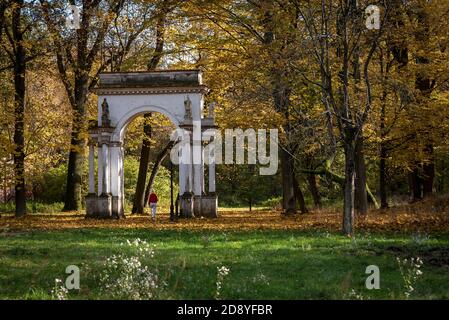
x: 277, y: 264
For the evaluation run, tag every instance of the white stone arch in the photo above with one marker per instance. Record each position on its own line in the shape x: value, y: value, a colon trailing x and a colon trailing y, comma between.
x: 179, y: 95
x: 126, y: 119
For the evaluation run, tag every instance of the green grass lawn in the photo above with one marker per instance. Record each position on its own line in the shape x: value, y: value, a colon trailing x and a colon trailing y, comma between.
x: 263, y: 264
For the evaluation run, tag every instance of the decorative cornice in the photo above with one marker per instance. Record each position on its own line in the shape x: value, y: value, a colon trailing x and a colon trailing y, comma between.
x: 143, y: 91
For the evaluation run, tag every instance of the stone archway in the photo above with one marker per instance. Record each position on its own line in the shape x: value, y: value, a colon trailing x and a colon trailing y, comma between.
x: 179, y: 95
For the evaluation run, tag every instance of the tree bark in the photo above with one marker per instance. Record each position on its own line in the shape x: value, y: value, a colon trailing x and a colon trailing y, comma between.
x: 383, y: 157
x: 288, y: 193
x: 313, y: 188
x: 281, y: 96
x: 19, y: 109
x: 348, y: 208
x: 299, y: 195
x: 361, y: 199
x: 415, y: 185
x: 77, y: 144
x: 139, y: 196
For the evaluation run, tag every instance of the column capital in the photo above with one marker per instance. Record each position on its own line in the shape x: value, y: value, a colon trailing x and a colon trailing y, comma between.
x: 115, y: 144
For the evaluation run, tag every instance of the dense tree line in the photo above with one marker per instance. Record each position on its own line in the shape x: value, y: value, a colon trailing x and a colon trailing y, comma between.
x: 362, y: 111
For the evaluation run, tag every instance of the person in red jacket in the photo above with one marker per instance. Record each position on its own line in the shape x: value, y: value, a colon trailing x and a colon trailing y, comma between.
x: 152, y: 199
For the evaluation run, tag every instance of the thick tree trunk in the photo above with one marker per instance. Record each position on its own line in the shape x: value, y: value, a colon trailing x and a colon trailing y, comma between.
x: 361, y: 199
x: 139, y: 196
x: 281, y: 96
x: 77, y: 143
x: 160, y: 158
x: 348, y: 208
x: 19, y: 110
x: 288, y: 193
x: 299, y: 195
x: 313, y: 188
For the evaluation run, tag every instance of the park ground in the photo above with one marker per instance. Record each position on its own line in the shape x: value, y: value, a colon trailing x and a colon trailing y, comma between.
x: 269, y: 256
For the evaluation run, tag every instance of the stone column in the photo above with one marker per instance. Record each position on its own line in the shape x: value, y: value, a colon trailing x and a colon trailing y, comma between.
x: 105, y: 198
x: 185, y: 177
x: 182, y: 178
x: 122, y: 173
x: 185, y: 163
x: 209, y: 202
x: 100, y: 170
x: 91, y: 198
x: 211, y: 156
x: 91, y: 168
x: 196, y: 157
x: 203, y: 190
x: 105, y: 158
x: 116, y: 168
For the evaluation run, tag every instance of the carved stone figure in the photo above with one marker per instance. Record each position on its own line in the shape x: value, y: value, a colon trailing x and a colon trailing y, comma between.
x: 105, y: 121
x: 188, y: 108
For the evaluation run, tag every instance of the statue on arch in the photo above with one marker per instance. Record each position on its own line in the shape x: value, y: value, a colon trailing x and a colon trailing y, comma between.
x: 105, y: 121
x: 188, y: 108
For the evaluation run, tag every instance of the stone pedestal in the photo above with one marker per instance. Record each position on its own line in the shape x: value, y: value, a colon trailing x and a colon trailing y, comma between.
x: 186, y: 205
x: 91, y: 205
x: 209, y: 206
x: 197, y: 206
x: 117, y: 207
x: 104, y: 204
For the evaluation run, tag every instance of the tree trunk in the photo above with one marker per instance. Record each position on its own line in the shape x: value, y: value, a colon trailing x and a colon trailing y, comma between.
x: 160, y: 158
x: 428, y: 173
x: 288, y: 193
x: 19, y: 110
x: 299, y: 195
x: 348, y: 208
x: 77, y: 142
x: 74, y: 169
x: 281, y: 96
x: 313, y: 188
x: 361, y: 199
x: 425, y: 84
x: 383, y: 158
x: 139, y: 196
x: 415, y: 185
x: 383, y: 179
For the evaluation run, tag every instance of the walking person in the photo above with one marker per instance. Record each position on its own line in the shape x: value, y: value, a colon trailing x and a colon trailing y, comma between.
x: 152, y: 199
